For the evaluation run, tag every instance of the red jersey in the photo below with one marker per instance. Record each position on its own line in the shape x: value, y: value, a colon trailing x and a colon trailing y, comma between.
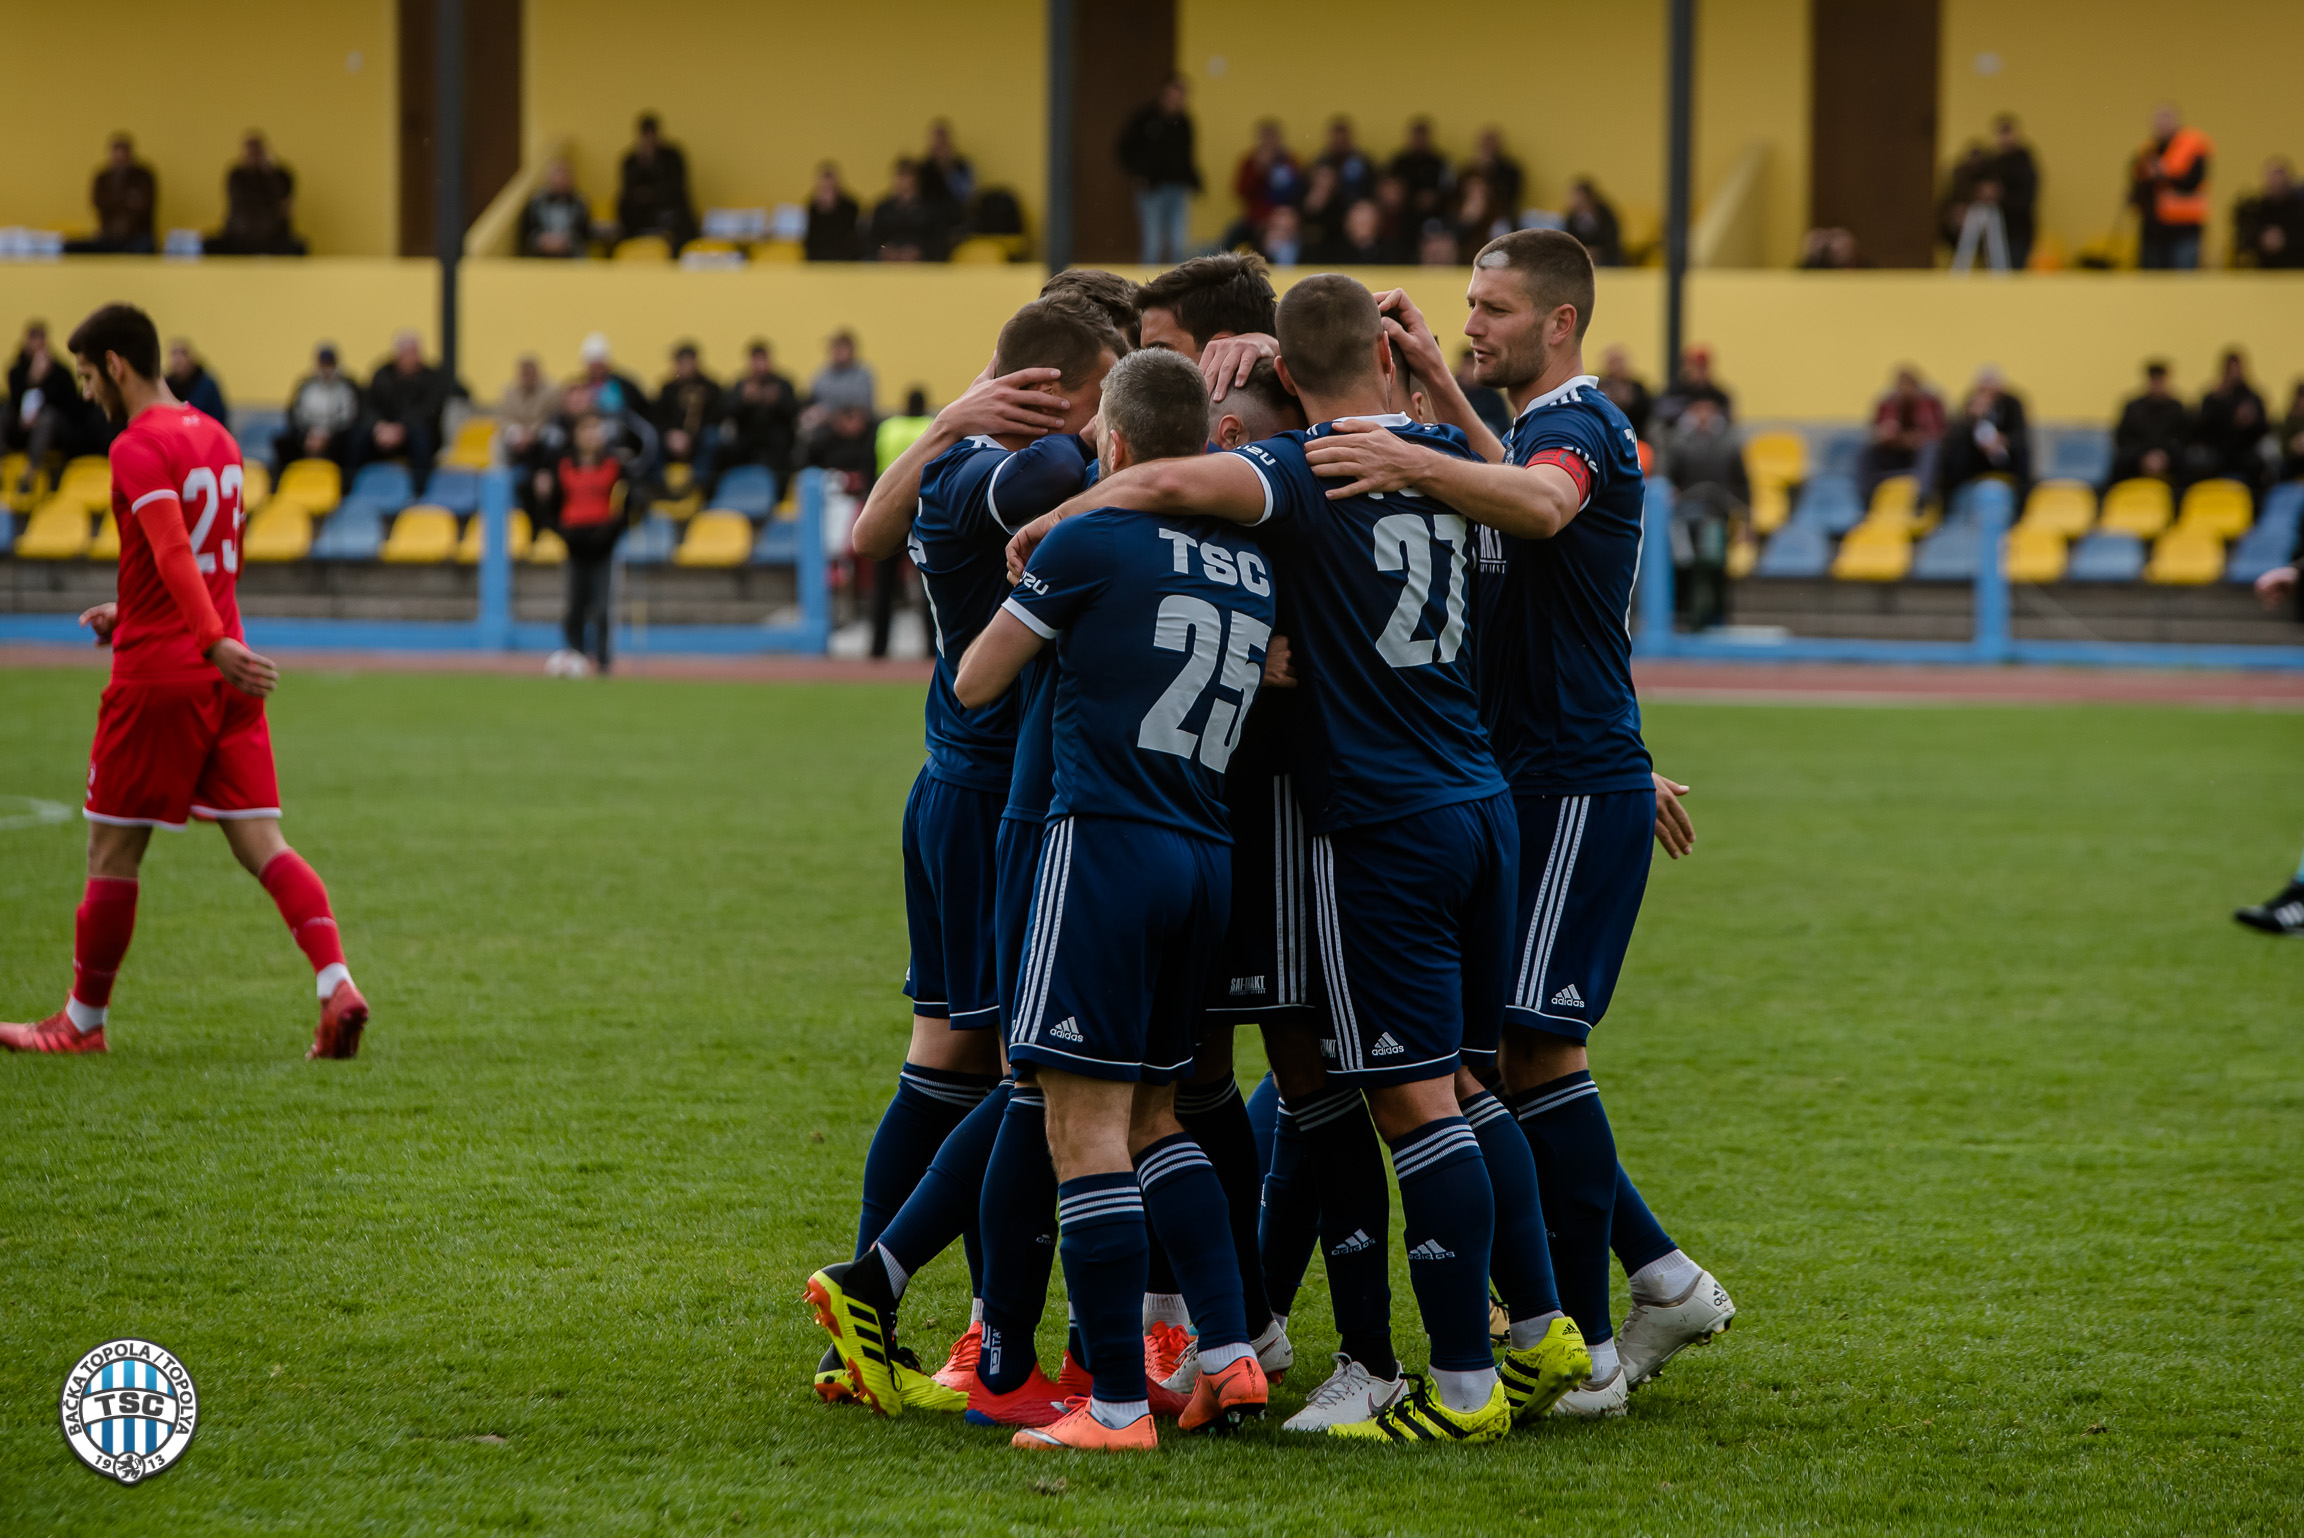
x: 174, y: 462
x: 587, y: 492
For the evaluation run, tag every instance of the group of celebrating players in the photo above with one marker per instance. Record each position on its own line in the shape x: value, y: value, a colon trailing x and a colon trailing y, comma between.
x: 1272, y: 688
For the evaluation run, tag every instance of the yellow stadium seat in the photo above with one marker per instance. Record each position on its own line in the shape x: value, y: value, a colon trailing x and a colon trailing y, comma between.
x: 475, y: 441
x: 1779, y: 459
x: 106, y: 545
x: 779, y: 251
x: 547, y: 549
x: 280, y: 531
x: 2185, y: 557
x: 255, y: 485
x: 315, y: 484
x: 1895, y: 502
x: 2063, y: 508
x: 2035, y: 553
x: 1743, y: 555
x: 58, y: 532
x: 421, y: 536
x: 643, y: 248
x: 984, y: 250
x: 715, y: 538
x: 1771, y: 506
x: 2138, y: 507
x: 516, y: 531
x: 88, y: 481
x: 2221, y: 508
x: 1873, y: 552
x: 11, y: 471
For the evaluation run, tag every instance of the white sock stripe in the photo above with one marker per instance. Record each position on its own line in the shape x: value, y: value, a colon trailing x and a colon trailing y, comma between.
x: 1323, y: 1109
x: 950, y: 1094
x: 1101, y: 1206
x: 1200, y: 1099
x: 1028, y: 1094
x: 1169, y: 1163
x: 1480, y: 1110
x: 1557, y: 1099
x: 1433, y: 1150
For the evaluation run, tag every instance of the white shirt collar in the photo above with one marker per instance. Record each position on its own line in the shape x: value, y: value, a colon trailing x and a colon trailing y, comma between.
x: 1556, y: 396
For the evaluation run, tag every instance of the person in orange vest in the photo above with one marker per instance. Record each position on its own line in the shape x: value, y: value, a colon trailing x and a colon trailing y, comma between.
x: 2168, y: 182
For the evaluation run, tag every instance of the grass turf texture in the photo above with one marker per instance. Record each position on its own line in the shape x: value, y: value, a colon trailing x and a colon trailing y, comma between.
x: 1942, y: 1051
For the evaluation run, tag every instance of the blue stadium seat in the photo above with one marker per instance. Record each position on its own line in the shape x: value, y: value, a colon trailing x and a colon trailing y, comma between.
x: 2075, y: 454
x: 651, y: 544
x: 1971, y: 498
x: 455, y: 489
x: 259, y: 433
x: 778, y: 545
x: 7, y: 531
x: 1949, y: 554
x: 1799, y: 549
x: 2106, y: 558
x: 1829, y: 504
x: 2273, y: 538
x: 384, y: 483
x: 747, y: 489
x: 1835, y: 450
x: 354, y: 532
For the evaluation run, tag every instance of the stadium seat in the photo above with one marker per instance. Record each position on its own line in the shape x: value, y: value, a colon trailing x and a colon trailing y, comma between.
x: 354, y: 532
x: 2222, y: 508
x: 1895, y: 502
x: 710, y: 253
x: 423, y: 535
x: 385, y: 483
x: 2034, y: 553
x: 778, y: 545
x: 281, y: 531
x: 255, y: 485
x: 2140, y: 508
x: 1971, y: 498
x: 980, y: 251
x: 2078, y: 454
x: 58, y: 532
x: 456, y: 489
x: 105, y: 546
x: 1874, y: 552
x: 747, y: 489
x: 547, y: 549
x: 683, y: 499
x: 2106, y: 556
x: 643, y: 248
x: 1829, y: 502
x: 2185, y: 557
x: 7, y: 531
x: 717, y: 537
x: 11, y: 470
x: 259, y: 434
x: 475, y: 444
x: 1771, y: 506
x: 517, y: 535
x: 2066, y: 509
x: 651, y: 544
x: 1950, y: 554
x: 1743, y: 555
x: 778, y: 251
x: 316, y: 484
x: 1836, y: 450
x: 1781, y: 457
x: 87, y: 481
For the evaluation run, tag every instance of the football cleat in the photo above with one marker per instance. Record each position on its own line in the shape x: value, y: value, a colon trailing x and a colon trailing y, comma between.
x: 1034, y: 1402
x: 1654, y: 1333
x: 342, y: 1018
x: 1275, y: 1353
x: 831, y: 1382
x: 959, y: 1369
x: 919, y: 1391
x: 864, y: 1337
x: 1419, y: 1416
x: 1072, y: 1379
x: 1222, y: 1400
x: 1534, y: 1379
x: 2283, y: 915
x: 1590, y: 1401
x: 1352, y: 1393
x: 1080, y: 1431
x: 1167, y: 1347
x: 1165, y: 1401
x: 57, y: 1033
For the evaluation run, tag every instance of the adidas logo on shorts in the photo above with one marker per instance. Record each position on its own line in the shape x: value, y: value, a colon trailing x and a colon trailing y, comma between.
x: 1430, y: 1250
x: 1354, y: 1245
x: 1568, y: 998
x: 1067, y: 1029
x: 1386, y: 1047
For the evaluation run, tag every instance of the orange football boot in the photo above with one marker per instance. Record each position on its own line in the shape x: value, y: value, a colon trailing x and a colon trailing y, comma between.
x: 1222, y: 1400
x: 57, y: 1033
x: 1081, y: 1431
x: 959, y: 1370
x: 341, y: 1020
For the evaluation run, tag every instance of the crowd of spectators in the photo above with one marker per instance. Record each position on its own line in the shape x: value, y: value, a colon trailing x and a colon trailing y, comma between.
x: 259, y: 205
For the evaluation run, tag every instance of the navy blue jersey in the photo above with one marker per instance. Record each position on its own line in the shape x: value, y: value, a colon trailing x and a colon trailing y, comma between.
x: 1555, y: 614
x: 972, y: 497
x: 1160, y: 630
x: 1379, y: 589
x: 1033, y: 781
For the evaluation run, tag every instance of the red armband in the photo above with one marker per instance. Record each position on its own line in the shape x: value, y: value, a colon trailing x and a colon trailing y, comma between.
x: 1571, y: 463
x: 180, y: 574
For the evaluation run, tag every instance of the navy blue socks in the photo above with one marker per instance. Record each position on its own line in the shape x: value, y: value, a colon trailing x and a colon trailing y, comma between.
x: 1448, y: 1218
x: 1290, y: 1222
x: 1633, y: 1232
x: 1576, y: 1171
x: 1102, y: 1221
x: 1522, y: 1258
x: 929, y: 1103
x: 1217, y: 1119
x: 1181, y: 1193
x: 1018, y: 1208
x: 943, y: 1205
x: 1347, y: 1166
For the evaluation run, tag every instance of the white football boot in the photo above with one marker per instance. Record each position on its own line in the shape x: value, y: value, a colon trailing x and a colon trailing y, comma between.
x: 1275, y: 1353
x: 1595, y: 1401
x: 1654, y: 1333
x: 1352, y: 1393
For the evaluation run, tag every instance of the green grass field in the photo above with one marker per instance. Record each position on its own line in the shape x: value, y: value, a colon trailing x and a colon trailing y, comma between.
x: 1942, y: 1052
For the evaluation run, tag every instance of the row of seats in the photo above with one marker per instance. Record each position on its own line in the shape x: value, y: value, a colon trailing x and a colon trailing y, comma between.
x: 1780, y: 461
x: 976, y: 249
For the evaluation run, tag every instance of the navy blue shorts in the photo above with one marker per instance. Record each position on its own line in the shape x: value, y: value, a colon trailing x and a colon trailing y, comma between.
x: 1415, y: 925
x: 1016, y: 860
x: 1125, y: 921
x: 949, y: 833
x: 1583, y: 870
x: 1264, y: 972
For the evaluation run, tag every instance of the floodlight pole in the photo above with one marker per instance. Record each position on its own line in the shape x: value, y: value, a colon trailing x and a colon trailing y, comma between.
x: 448, y: 165
x: 1057, y: 242
x: 1680, y: 91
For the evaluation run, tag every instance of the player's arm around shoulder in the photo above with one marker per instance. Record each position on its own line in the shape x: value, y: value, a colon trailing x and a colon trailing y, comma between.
x: 1066, y: 574
x: 1535, y: 501
x: 1229, y: 486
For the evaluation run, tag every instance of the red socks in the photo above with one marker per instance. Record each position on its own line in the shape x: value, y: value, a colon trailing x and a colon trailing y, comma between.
x: 100, y: 933
x: 303, y: 902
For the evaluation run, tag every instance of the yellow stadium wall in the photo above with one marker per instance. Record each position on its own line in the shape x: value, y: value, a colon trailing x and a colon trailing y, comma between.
x: 758, y: 94
x: 2084, y: 81
x: 188, y: 80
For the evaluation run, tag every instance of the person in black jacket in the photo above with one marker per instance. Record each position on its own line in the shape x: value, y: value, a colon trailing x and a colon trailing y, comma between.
x: 124, y: 195
x: 190, y: 382
x: 1156, y: 152
x: 653, y: 199
x: 1990, y: 436
x: 906, y: 227
x: 687, y: 414
x: 2153, y: 430
x: 2019, y: 177
x: 1424, y: 172
x: 259, y: 204
x: 2229, y: 429
x: 832, y: 216
x: 43, y: 403
x: 404, y: 406
x: 1591, y: 220
x: 557, y: 221
x: 2268, y: 224
x: 761, y: 415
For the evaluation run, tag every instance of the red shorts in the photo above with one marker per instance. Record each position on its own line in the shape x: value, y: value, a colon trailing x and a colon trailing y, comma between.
x: 168, y: 751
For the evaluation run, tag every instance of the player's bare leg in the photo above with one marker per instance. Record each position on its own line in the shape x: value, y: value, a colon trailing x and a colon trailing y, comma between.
x: 296, y: 890
x: 100, y: 934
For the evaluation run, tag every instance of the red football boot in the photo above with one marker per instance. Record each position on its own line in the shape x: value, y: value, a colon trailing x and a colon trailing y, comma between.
x: 1165, y: 1400
x: 54, y: 1034
x: 1164, y: 1347
x: 1073, y: 1379
x: 341, y: 1020
x: 1034, y: 1402
x: 959, y: 1370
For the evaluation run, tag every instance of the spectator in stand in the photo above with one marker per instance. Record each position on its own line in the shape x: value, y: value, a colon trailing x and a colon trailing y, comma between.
x: 523, y: 412
x: 1626, y: 389
x: 1488, y: 402
x: 607, y: 391
x: 1363, y: 243
x: 843, y: 381
x: 190, y: 382
x: 1828, y: 250
x: 1322, y: 213
x: 1592, y: 220
x: 2291, y: 436
x: 1156, y: 152
x: 687, y: 411
x: 832, y: 217
x: 591, y: 520
x: 2268, y: 224
x: 322, y: 411
x: 1703, y: 457
x: 1989, y: 437
x: 2168, y: 183
x: 762, y: 415
x: 1969, y: 172
x: 1282, y: 244
x: 1479, y: 218
x: 406, y: 400
x: 845, y: 447
x: 1694, y: 384
x: 557, y: 221
x: 1907, y: 425
x: 1506, y: 181
x: 652, y: 190
x: 1267, y: 178
x: 43, y: 403
x: 2153, y: 431
x: 2230, y: 428
x: 947, y: 177
x: 1424, y: 172
x: 1355, y: 172
x: 905, y: 226
x: 1396, y: 223
x: 124, y: 195
x: 1436, y: 247
x: 2018, y: 174
x: 259, y: 206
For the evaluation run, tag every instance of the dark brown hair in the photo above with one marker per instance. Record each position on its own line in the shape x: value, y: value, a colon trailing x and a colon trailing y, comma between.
x: 1328, y: 328
x: 1553, y: 266
x: 1108, y: 291
x: 1156, y: 400
x: 124, y: 329
x: 1061, y: 332
x: 1228, y: 292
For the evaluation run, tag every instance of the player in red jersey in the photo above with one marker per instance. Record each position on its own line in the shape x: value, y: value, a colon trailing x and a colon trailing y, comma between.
x: 181, y: 731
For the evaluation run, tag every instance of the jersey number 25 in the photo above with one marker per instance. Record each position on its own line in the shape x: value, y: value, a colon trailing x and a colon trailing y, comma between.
x: 1197, y: 628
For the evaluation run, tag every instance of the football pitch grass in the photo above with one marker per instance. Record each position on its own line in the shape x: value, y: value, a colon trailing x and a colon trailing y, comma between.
x: 1942, y: 1051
